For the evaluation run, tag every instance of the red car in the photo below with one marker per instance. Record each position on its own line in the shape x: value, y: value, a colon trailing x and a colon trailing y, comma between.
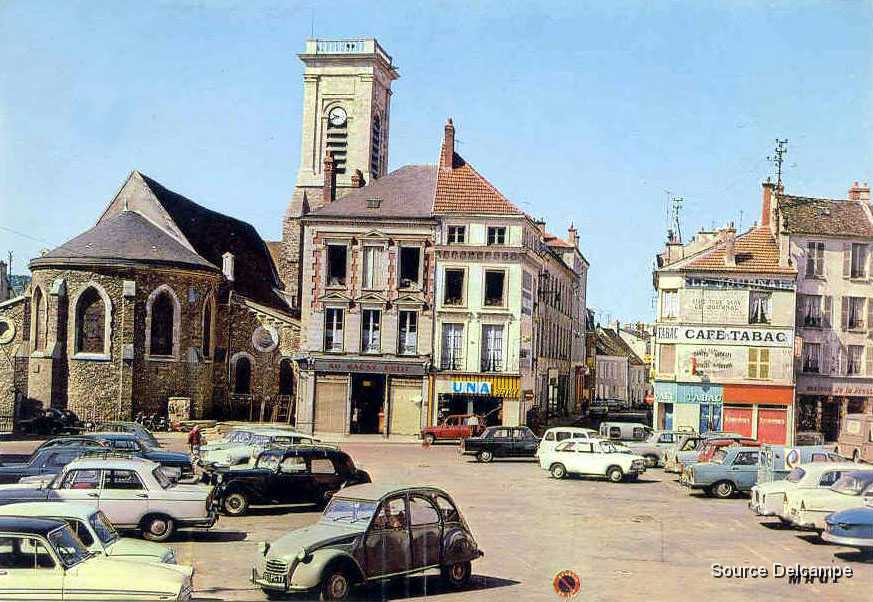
x: 711, y: 446
x: 456, y: 426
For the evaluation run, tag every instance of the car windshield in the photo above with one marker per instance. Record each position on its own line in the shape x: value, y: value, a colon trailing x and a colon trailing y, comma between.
x: 795, y: 475
x: 69, y: 547
x: 853, y: 483
x: 163, y: 480
x: 719, y: 456
x: 106, y: 533
x: 269, y: 461
x: 348, y: 511
x: 609, y: 447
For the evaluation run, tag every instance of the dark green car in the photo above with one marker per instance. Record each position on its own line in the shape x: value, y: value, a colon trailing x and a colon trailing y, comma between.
x: 369, y: 533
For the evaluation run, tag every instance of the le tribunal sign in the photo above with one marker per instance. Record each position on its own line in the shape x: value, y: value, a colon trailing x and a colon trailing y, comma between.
x: 725, y: 335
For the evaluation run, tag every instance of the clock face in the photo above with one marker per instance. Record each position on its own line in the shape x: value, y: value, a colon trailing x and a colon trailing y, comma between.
x: 337, y: 116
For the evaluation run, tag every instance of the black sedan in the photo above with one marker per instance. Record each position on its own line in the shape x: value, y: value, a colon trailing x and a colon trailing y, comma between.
x: 176, y: 464
x: 50, y: 421
x: 290, y: 475
x: 47, y: 462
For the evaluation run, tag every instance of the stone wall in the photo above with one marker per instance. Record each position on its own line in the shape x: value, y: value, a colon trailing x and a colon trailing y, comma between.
x: 15, y: 316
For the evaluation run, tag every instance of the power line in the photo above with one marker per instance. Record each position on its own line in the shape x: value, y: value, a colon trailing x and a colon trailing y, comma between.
x: 28, y: 236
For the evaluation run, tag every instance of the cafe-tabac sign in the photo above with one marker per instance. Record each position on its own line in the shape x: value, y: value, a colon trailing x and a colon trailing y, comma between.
x: 725, y: 335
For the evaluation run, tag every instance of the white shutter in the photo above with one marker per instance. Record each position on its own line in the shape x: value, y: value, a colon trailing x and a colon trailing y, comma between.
x: 844, y: 317
x: 847, y: 260
x: 868, y: 351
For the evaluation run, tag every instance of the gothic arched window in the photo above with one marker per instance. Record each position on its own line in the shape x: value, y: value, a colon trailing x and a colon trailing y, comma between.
x: 242, y: 375
x: 286, y: 377
x: 90, y: 322
x: 207, y: 329
x: 162, y: 325
x: 39, y: 317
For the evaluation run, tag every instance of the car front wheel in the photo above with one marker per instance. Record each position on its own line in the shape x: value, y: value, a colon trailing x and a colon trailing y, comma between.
x: 457, y: 575
x: 559, y: 471
x: 651, y: 461
x: 615, y: 474
x: 236, y: 504
x: 485, y: 456
x: 158, y: 528
x: 429, y: 439
x: 336, y: 586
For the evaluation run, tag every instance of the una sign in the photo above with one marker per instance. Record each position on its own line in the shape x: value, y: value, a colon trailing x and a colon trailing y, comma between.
x: 472, y: 387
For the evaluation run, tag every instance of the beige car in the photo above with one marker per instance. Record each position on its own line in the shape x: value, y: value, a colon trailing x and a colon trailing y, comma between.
x: 42, y: 559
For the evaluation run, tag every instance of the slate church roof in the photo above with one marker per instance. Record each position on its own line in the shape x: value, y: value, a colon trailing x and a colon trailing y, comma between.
x: 147, y: 223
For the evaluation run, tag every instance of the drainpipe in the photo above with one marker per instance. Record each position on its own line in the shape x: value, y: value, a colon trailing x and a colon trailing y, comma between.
x: 121, y: 362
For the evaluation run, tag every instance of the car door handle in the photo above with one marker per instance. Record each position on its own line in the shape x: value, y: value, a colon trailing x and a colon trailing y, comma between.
x: 145, y: 495
x: 93, y: 495
x: 2, y: 572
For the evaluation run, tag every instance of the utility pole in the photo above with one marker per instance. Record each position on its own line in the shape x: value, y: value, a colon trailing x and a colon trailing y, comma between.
x: 778, y: 158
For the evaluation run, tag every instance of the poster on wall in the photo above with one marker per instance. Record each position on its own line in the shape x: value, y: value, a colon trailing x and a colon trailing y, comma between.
x: 700, y: 363
x: 714, y: 306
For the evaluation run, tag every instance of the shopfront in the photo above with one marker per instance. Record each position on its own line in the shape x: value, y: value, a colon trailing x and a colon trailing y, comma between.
x: 822, y: 402
x: 688, y: 405
x: 495, y: 397
x: 367, y: 397
x: 761, y: 412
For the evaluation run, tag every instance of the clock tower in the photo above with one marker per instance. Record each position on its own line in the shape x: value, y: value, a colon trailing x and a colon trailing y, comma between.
x: 346, y: 107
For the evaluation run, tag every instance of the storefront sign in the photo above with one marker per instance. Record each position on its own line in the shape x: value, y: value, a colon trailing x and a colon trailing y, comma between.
x: 471, y: 387
x: 834, y: 387
x: 359, y: 366
x: 688, y: 393
x: 725, y: 335
x: 727, y: 282
x: 495, y: 386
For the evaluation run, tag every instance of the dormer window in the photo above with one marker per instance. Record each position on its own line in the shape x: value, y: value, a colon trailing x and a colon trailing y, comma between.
x: 374, y: 203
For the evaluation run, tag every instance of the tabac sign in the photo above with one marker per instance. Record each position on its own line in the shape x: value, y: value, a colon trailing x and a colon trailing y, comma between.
x: 725, y: 335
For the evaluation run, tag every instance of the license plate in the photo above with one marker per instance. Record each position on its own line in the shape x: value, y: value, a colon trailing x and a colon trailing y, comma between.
x: 277, y: 579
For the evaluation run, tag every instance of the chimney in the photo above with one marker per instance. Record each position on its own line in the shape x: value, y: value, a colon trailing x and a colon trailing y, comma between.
x: 729, y: 235
x: 227, y: 265
x: 357, y: 179
x: 767, y: 205
x: 859, y: 192
x: 541, y: 225
x: 328, y: 191
x: 447, y: 160
x: 573, y: 236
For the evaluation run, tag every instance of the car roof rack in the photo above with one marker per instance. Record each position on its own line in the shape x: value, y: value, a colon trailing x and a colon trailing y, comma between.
x: 283, y: 446
x: 112, y: 455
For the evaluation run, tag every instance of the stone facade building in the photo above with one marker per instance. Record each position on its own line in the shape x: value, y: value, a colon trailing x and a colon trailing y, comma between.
x: 831, y: 243
x: 620, y: 374
x: 367, y: 304
x: 161, y: 299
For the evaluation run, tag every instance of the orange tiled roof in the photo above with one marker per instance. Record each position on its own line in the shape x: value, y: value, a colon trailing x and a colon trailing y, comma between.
x: 463, y: 190
x: 554, y: 241
x: 756, y: 251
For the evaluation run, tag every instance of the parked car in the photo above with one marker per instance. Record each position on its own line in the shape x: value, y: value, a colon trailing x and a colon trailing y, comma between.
x: 290, y: 475
x: 652, y: 449
x: 243, y: 444
x: 678, y: 462
x: 455, y: 426
x: 731, y: 469
x: 96, y: 532
x: 777, y: 461
x: 856, y: 437
x: 807, y: 508
x: 43, y: 559
x: 134, y: 428
x: 133, y: 492
x: 72, y: 441
x: 555, y: 435
x: 501, y: 442
x: 177, y: 465
x: 594, y: 457
x: 853, y: 527
x: 768, y: 499
x: 50, y: 421
x: 369, y: 533
x: 44, y: 464
x: 625, y: 431
x: 688, y: 443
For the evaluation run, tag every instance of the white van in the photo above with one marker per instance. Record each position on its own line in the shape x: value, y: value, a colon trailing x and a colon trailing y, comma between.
x: 556, y: 434
x: 625, y: 431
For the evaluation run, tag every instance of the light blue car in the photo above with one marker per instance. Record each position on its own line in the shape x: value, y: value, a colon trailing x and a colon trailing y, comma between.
x: 731, y: 469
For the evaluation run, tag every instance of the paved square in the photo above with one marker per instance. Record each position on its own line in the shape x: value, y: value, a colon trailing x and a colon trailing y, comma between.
x: 648, y: 540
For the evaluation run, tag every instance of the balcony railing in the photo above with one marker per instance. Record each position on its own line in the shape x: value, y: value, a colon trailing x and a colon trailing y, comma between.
x: 452, y: 363
x: 361, y: 46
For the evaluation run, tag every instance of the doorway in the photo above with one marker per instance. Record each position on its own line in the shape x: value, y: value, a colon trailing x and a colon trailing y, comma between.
x: 367, y: 403
x: 830, y: 419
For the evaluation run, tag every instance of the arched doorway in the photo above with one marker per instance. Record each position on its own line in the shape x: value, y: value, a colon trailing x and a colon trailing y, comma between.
x: 242, y: 376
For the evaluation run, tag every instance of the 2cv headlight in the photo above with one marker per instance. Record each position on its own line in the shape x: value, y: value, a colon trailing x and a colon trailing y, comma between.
x: 303, y: 556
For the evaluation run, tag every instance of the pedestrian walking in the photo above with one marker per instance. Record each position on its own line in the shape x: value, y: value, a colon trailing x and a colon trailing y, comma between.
x: 194, y: 440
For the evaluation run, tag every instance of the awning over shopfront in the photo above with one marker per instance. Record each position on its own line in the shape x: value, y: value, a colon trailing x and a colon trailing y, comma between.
x: 478, y: 384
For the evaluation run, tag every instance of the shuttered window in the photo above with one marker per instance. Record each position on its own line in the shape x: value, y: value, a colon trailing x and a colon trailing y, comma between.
x: 759, y: 363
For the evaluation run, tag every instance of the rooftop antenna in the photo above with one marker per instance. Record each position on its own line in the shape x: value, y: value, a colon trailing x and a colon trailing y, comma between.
x: 312, y: 23
x: 676, y: 202
x: 740, y: 222
x: 778, y: 158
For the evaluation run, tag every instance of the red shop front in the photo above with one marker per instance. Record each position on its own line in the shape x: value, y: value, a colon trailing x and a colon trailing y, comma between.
x: 760, y: 412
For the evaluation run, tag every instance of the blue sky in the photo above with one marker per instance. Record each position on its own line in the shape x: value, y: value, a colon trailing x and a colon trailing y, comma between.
x: 578, y: 111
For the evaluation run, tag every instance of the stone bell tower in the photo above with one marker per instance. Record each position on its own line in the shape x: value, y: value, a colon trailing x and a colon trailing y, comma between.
x: 346, y: 114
